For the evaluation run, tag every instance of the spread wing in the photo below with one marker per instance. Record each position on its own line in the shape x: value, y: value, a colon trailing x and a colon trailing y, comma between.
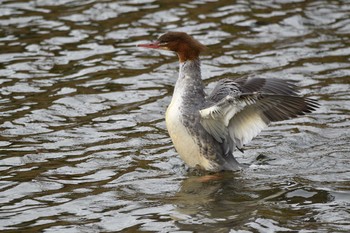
x: 237, y: 110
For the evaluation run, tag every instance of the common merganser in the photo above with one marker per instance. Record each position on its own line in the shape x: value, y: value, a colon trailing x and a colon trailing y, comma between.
x: 206, y: 129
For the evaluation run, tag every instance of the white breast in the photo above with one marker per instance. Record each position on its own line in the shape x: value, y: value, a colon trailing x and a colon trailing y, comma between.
x: 184, y: 143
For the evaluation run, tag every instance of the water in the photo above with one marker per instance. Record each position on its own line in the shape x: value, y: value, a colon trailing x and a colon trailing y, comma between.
x: 84, y: 146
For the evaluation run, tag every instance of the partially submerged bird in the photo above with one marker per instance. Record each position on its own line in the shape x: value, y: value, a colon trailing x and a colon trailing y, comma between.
x: 206, y: 129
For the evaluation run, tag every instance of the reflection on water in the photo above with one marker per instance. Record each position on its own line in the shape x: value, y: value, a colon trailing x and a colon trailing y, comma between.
x: 83, y: 141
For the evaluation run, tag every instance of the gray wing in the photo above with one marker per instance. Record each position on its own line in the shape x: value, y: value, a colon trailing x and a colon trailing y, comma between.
x: 237, y: 110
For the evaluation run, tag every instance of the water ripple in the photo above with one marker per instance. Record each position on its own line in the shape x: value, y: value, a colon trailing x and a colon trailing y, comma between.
x: 84, y: 147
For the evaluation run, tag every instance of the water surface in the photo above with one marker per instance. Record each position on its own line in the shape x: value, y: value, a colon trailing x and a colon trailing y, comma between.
x: 84, y: 146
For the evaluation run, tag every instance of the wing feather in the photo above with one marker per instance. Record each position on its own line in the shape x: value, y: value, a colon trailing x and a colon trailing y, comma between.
x: 238, y: 110
x: 246, y: 125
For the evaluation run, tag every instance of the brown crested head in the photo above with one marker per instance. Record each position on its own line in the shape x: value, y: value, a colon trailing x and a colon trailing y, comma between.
x: 186, y: 47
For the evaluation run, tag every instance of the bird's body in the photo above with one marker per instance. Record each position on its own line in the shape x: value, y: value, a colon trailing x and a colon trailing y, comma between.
x: 205, y: 130
x: 180, y: 118
x: 193, y: 143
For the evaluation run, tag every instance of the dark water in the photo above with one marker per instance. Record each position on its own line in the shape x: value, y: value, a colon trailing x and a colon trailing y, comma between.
x: 83, y: 141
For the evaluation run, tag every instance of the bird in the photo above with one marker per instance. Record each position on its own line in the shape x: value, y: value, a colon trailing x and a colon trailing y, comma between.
x: 206, y: 129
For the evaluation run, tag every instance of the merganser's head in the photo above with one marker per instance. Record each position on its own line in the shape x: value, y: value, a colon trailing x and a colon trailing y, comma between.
x: 186, y: 47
